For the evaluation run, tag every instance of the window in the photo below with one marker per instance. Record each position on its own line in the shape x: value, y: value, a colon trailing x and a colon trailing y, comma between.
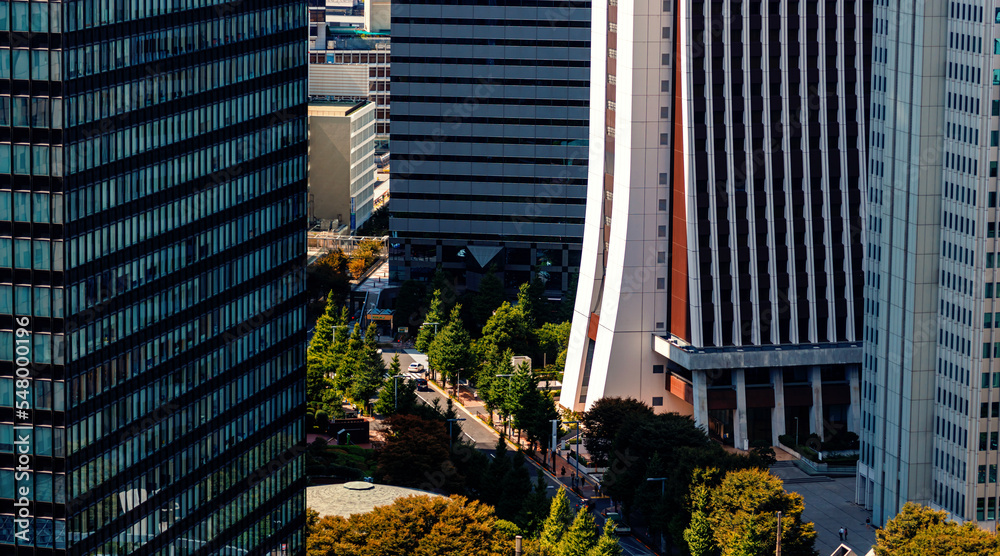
x: 661, y: 257
x: 658, y: 401
x: 980, y: 509
x: 982, y: 441
x: 996, y: 108
x: 662, y: 204
x: 982, y: 473
x: 996, y: 77
x: 661, y: 283
x: 994, y: 137
x: 19, y: 161
x: 993, y: 440
x: 986, y: 380
x: 661, y: 231
x: 988, y: 290
x: 984, y: 410
x: 19, y: 62
x: 22, y: 253
x: 658, y: 369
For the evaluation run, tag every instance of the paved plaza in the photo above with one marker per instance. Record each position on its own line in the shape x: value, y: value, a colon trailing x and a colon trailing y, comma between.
x: 830, y: 506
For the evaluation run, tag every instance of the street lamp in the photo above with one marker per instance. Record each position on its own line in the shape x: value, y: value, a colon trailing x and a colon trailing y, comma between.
x: 579, y: 437
x: 505, y: 416
x: 796, y: 430
x: 435, y: 326
x: 663, y: 493
x: 395, y: 392
x: 450, y: 437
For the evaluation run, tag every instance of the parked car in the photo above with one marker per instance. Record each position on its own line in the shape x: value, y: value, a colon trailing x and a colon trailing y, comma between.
x: 422, y: 384
x: 620, y: 528
x: 415, y: 368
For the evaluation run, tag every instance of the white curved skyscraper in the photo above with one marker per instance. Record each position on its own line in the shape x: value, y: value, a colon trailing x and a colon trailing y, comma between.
x: 722, y: 267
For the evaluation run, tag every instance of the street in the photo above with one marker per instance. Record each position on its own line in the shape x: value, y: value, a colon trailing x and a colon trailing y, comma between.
x: 486, y: 439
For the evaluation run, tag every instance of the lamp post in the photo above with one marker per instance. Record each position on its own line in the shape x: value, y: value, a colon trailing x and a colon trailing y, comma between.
x: 505, y: 416
x: 395, y: 392
x: 777, y: 548
x: 796, y: 431
x: 435, y: 326
x: 663, y: 493
x: 579, y: 436
x: 450, y: 437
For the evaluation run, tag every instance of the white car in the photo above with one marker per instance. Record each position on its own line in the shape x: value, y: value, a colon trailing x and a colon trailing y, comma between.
x: 415, y: 368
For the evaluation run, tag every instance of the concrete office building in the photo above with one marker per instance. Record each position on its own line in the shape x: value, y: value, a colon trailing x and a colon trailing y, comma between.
x: 931, y: 389
x: 152, y: 290
x: 349, y: 56
x: 342, y: 162
x: 722, y: 265
x: 489, y: 138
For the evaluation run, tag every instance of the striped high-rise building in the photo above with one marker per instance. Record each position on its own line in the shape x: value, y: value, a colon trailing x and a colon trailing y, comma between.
x: 931, y: 378
x: 152, y: 253
x: 722, y: 264
x: 489, y: 139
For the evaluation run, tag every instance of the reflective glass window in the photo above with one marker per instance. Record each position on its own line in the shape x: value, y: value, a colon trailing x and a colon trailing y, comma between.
x: 19, y: 16
x: 6, y: 300
x: 42, y: 257
x: 19, y: 111
x: 4, y: 15
x: 42, y: 302
x: 40, y: 160
x: 22, y: 300
x: 22, y: 254
x: 19, y: 63
x: 4, y: 63
x: 40, y: 207
x: 19, y: 160
x: 39, y: 17
x: 4, y: 109
x: 22, y: 206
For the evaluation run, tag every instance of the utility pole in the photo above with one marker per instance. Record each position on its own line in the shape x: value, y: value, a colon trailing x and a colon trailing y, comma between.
x: 450, y: 437
x: 777, y: 551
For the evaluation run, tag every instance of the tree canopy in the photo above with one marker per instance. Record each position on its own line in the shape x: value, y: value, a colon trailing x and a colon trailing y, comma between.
x: 416, y: 449
x: 417, y: 525
x: 435, y: 315
x: 603, y: 421
x: 450, y: 351
x: 918, y: 530
x: 737, y: 515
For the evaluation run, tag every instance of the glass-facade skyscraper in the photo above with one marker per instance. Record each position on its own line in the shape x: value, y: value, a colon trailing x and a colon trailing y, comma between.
x: 152, y: 253
x: 489, y: 139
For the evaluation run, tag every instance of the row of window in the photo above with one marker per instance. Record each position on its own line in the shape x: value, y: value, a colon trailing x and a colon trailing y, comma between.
x: 132, y: 363
x: 135, y: 50
x: 37, y: 112
x: 100, y: 334
x: 39, y: 65
x: 136, y: 444
x: 31, y: 207
x: 104, y: 149
x: 44, y: 394
x: 31, y: 160
x: 160, y: 87
x: 36, y: 17
x: 158, y: 520
x: 35, y: 301
x: 37, y: 254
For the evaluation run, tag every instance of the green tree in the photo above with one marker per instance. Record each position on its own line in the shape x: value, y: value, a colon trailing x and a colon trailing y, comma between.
x: 918, y: 530
x: 607, y: 545
x: 535, y: 508
x: 489, y: 297
x: 526, y: 305
x: 507, y: 329
x: 558, y: 520
x: 742, y: 512
x: 553, y: 339
x: 581, y: 536
x: 349, y: 354
x: 435, y: 314
x: 698, y: 535
x: 410, y: 306
x: 603, y: 421
x: 369, y: 375
x: 416, y: 449
x: 397, y: 394
x: 450, y: 351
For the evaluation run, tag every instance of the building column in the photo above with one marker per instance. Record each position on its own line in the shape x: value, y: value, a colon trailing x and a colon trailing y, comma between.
x: 854, y: 380
x: 740, y: 440
x: 700, y: 395
x: 816, y: 411
x: 778, y: 413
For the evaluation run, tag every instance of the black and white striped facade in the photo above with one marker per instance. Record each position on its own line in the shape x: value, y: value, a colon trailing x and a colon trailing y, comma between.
x: 722, y: 266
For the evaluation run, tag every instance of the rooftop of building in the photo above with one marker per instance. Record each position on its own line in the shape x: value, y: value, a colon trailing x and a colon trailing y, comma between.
x: 334, y: 108
x: 355, y: 497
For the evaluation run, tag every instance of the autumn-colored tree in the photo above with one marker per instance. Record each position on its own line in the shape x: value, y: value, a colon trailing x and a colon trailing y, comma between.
x: 417, y: 525
x: 328, y: 274
x: 416, y: 455
x: 918, y: 530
